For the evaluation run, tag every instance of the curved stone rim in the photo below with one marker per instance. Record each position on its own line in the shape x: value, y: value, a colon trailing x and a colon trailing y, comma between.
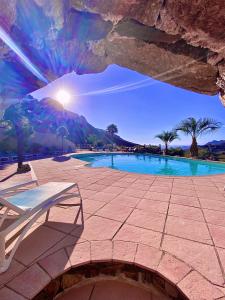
x: 186, y: 279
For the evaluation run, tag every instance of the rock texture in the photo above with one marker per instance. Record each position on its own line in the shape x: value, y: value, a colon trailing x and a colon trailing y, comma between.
x: 45, y: 117
x: 178, y: 42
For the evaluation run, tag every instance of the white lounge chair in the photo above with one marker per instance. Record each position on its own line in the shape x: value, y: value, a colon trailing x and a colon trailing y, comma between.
x: 27, y: 207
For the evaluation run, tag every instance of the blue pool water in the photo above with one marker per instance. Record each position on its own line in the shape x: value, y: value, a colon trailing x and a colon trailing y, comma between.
x: 153, y: 164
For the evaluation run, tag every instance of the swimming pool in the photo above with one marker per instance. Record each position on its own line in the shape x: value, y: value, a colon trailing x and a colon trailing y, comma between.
x: 153, y: 164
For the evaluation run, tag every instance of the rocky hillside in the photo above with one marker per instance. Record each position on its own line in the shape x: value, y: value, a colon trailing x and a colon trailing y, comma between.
x: 47, y: 115
x: 216, y: 145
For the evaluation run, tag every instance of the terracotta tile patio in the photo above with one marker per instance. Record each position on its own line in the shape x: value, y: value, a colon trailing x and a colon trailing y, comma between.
x: 172, y: 226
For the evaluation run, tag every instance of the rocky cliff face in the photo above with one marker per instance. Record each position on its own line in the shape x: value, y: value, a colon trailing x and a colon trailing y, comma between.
x: 179, y: 42
x: 47, y: 115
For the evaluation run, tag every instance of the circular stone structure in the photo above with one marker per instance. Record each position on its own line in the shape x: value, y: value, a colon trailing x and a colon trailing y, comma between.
x: 108, y: 289
x: 112, y: 281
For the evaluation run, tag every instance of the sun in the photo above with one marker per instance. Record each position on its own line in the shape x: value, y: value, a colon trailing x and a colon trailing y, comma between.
x: 63, y: 97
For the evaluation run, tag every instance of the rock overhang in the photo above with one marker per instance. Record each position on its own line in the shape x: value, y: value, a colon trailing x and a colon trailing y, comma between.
x: 181, y: 43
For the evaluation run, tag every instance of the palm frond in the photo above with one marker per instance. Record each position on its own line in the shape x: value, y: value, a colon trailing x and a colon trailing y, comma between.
x: 167, y: 136
x: 207, y: 125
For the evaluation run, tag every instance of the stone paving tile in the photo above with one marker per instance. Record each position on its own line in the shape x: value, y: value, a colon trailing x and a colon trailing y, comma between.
x: 196, y: 287
x: 87, y: 193
x: 215, y: 217
x: 163, y: 184
x: 192, y: 230
x: 91, y: 206
x: 38, y: 242
x: 203, y: 181
x: 101, y: 251
x: 114, y: 190
x: 131, y: 233
x: 102, y: 196
x: 160, y: 189
x: 148, y: 257
x: 134, y: 192
x: 130, y: 178
x: 201, y: 257
x: 65, y: 242
x: 147, y: 220
x: 221, y: 253
x: 63, y: 219
x: 172, y: 268
x: 115, y: 212
x: 186, y: 212
x: 208, y: 189
x: 147, y: 182
x: 211, y: 195
x: 14, y: 269
x: 183, y: 181
x: 218, y: 235
x: 185, y: 200
x: 79, y: 254
x: 126, y: 200
x: 157, y: 196
x: 96, y: 187
x: 81, y: 293
x: 139, y: 186
x: 114, y: 290
x: 183, y: 186
x: 164, y: 179
x: 97, y: 228
x: 106, y: 181
x: 153, y: 206
x: 122, y: 184
x: 22, y: 283
x: 184, y: 192
x: 56, y: 263
x: 212, y: 204
x: 7, y: 294
x: 124, y: 251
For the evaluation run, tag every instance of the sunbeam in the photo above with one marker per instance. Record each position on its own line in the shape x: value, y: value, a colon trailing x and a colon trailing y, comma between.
x: 10, y: 43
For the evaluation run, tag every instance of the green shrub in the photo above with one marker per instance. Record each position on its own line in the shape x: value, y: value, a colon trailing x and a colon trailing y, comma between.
x: 176, y: 151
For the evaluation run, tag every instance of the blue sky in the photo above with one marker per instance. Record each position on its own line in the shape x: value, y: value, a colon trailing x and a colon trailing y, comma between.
x: 140, y: 113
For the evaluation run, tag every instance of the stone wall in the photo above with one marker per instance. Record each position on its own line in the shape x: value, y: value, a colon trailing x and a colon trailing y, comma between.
x: 94, y: 272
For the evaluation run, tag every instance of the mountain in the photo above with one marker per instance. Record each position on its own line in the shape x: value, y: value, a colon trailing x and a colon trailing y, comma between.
x: 47, y: 115
x: 216, y: 145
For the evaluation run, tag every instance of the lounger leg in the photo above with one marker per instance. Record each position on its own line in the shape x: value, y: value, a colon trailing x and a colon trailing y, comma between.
x: 3, y: 262
x: 47, y: 215
x: 81, y: 207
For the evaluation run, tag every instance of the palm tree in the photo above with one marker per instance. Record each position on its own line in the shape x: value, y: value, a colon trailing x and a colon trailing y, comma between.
x: 112, y: 129
x: 196, y: 128
x: 62, y: 132
x: 16, y: 121
x: 167, y: 137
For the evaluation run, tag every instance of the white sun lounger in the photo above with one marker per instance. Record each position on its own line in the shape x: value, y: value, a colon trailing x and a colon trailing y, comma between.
x: 27, y: 207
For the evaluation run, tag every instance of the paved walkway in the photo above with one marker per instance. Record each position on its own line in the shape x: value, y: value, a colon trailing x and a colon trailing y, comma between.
x: 174, y: 226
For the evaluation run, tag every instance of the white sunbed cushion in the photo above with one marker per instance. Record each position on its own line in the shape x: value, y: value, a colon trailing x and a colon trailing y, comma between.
x: 36, y: 197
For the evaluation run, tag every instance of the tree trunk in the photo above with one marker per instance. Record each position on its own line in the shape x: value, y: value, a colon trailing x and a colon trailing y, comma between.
x: 166, y: 148
x: 194, y: 147
x: 20, y: 145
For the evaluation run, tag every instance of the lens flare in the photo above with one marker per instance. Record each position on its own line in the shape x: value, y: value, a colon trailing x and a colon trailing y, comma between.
x: 11, y: 44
